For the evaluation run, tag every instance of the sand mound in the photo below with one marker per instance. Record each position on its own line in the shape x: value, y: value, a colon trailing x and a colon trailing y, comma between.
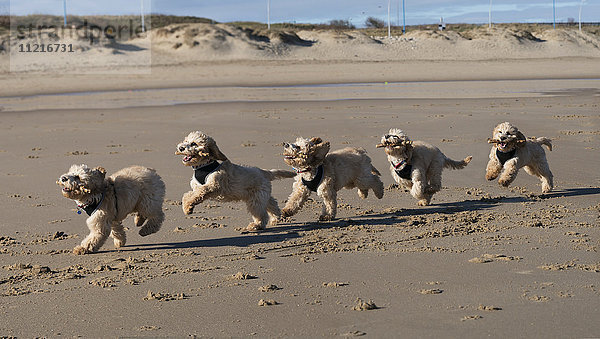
x: 220, y: 40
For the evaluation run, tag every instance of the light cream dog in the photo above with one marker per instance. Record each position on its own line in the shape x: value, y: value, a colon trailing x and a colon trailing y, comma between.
x: 512, y: 151
x: 327, y: 173
x: 108, y: 201
x: 417, y: 165
x: 227, y: 181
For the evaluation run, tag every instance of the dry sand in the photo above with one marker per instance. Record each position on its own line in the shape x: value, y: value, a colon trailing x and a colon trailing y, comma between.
x: 480, y: 261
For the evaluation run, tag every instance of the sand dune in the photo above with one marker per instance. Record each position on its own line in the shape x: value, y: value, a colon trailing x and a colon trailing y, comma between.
x: 179, y: 43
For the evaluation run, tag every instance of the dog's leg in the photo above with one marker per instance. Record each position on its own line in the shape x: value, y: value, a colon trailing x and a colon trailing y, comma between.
x: 258, y: 209
x: 153, y: 223
x: 435, y: 181
x: 296, y: 199
x: 99, y: 232
x: 195, y: 197
x: 377, y: 186
x: 118, y: 234
x: 547, y: 177
x: 493, y: 169
x: 329, y: 196
x: 418, y: 188
x: 509, y: 172
x: 273, y: 211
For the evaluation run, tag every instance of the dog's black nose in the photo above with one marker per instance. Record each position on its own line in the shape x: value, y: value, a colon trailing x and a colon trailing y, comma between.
x: 63, y: 179
x: 181, y: 149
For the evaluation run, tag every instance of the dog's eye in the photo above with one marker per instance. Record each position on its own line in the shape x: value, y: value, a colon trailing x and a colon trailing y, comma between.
x: 181, y: 148
x: 193, y: 144
x: 64, y: 179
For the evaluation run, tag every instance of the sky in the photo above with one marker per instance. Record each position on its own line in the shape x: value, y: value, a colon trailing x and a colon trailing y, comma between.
x: 320, y: 11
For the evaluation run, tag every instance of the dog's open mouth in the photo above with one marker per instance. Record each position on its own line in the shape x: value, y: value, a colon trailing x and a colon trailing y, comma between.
x: 188, y: 158
x: 502, y: 144
x: 66, y: 189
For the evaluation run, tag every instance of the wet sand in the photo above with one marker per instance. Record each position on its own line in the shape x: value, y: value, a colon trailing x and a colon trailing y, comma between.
x: 480, y: 261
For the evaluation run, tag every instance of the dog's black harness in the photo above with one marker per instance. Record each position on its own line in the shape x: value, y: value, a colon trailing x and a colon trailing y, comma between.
x: 200, y: 173
x: 316, y: 181
x: 405, y: 172
x: 505, y: 156
x: 90, y: 208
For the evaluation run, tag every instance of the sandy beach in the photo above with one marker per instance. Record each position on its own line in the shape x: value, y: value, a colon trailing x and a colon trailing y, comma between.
x: 480, y: 261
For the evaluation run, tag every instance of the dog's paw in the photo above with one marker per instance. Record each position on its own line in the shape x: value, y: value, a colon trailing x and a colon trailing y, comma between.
x: 187, y: 209
x: 423, y: 202
x: 504, y: 182
x: 283, y: 219
x: 253, y: 228
x: 285, y: 213
x: 80, y: 250
x: 491, y: 177
x: 326, y: 217
x: 119, y: 242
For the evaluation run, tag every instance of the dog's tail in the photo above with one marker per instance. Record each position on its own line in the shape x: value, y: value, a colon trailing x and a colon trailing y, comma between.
x: 449, y: 163
x: 276, y: 174
x: 375, y: 171
x: 543, y: 141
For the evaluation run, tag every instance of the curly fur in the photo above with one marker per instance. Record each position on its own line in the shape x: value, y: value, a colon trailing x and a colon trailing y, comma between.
x: 427, y: 163
x: 529, y: 155
x: 230, y: 182
x: 133, y: 189
x: 345, y: 168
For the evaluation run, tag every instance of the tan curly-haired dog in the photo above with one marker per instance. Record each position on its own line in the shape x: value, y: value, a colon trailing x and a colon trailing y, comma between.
x: 108, y: 201
x: 327, y: 173
x: 227, y: 181
x: 512, y: 151
x: 417, y: 165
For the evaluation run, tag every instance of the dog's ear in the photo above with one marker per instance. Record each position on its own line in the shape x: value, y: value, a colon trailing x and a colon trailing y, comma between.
x: 320, y: 150
x: 521, y: 139
x: 100, y: 170
x: 215, y: 152
x: 316, y: 140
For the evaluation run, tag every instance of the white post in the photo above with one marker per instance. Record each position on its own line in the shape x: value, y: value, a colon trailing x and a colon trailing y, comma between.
x: 490, y: 16
x: 65, y: 12
x: 580, y: 6
x: 389, y: 23
x: 554, y: 14
x: 269, y: 14
x: 142, y: 11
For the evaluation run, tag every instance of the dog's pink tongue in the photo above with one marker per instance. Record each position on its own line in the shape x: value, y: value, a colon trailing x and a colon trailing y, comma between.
x: 187, y: 158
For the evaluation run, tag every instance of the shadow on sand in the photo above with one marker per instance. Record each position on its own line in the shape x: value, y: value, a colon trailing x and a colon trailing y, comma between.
x: 289, y: 231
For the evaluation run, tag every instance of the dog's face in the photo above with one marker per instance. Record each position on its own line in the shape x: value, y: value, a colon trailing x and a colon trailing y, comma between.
x: 397, y: 146
x: 81, y: 181
x: 305, y: 153
x: 506, y: 137
x: 199, y: 149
